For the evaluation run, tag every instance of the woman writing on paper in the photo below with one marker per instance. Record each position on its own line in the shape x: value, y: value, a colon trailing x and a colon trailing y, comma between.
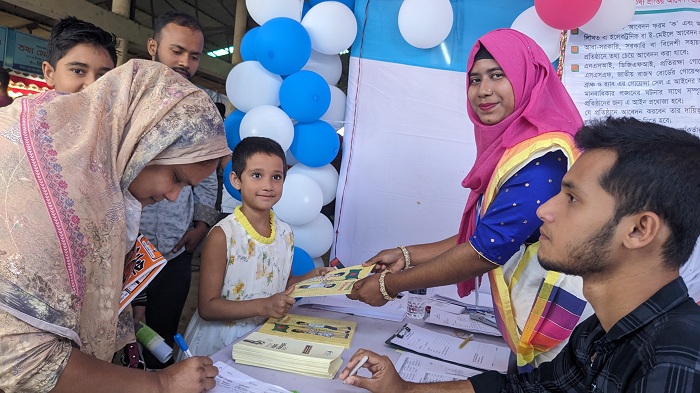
x: 524, y: 121
x: 76, y: 170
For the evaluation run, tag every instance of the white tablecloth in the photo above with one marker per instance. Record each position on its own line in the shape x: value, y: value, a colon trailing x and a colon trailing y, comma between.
x: 370, y: 334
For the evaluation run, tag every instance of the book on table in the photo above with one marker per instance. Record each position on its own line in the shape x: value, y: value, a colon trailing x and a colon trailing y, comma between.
x: 287, y: 354
x: 321, y: 330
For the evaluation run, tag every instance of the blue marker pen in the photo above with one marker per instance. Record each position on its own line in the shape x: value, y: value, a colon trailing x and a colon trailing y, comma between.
x: 183, y: 345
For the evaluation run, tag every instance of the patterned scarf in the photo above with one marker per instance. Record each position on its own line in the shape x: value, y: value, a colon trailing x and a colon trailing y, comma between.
x: 65, y: 162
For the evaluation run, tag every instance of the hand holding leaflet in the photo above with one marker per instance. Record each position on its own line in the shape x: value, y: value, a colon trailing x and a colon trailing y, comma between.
x: 337, y: 282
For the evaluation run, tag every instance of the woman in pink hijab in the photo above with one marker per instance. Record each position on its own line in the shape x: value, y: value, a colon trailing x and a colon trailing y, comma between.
x: 524, y: 121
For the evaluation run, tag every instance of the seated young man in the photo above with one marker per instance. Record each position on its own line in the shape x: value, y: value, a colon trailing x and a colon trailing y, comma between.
x: 625, y: 220
x: 79, y: 54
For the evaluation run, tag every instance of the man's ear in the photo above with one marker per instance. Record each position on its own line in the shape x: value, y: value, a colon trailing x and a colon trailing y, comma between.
x: 48, y: 71
x: 152, y: 47
x: 644, y: 228
x: 235, y: 181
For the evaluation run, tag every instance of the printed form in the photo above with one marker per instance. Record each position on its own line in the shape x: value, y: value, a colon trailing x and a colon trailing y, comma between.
x: 446, y: 347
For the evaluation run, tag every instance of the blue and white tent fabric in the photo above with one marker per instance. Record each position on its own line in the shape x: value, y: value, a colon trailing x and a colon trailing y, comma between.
x: 408, y: 140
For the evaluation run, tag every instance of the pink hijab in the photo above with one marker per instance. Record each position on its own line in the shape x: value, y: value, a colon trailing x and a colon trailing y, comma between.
x: 541, y: 105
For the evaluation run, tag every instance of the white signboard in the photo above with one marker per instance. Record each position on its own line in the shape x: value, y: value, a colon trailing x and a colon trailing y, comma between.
x: 650, y: 70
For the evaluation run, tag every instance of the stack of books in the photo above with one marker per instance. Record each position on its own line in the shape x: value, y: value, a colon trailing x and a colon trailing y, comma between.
x: 287, y: 354
x: 320, y: 330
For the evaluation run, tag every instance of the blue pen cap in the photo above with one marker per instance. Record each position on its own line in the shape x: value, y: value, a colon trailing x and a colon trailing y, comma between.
x: 181, y: 342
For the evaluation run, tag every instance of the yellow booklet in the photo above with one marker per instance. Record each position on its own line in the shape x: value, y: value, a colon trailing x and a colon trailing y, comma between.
x: 320, y: 330
x: 337, y: 282
x: 288, y: 354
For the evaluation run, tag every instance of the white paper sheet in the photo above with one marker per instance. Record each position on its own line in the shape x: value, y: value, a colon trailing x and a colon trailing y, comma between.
x: 460, y: 321
x: 231, y: 380
x: 446, y: 347
x: 392, y: 311
x: 419, y: 369
x: 449, y: 293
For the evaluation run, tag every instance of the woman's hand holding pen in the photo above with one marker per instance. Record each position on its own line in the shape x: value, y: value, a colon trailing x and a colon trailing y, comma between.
x: 195, y: 374
x: 278, y: 305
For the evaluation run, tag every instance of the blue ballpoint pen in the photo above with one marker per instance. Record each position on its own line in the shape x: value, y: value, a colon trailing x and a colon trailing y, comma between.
x: 183, y: 345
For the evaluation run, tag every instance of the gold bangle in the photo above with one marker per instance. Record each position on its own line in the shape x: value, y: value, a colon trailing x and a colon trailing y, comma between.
x: 382, y: 287
x: 406, y: 257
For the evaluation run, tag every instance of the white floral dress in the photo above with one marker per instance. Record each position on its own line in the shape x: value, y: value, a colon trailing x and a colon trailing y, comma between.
x: 257, y: 267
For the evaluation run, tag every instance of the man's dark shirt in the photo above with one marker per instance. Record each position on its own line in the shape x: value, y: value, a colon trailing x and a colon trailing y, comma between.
x: 655, y: 349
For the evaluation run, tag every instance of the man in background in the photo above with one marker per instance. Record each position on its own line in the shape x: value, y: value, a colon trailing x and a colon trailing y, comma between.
x: 175, y: 228
x: 5, y: 98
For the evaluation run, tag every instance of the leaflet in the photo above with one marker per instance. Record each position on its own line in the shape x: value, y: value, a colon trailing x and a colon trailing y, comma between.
x: 337, y: 282
x: 420, y: 369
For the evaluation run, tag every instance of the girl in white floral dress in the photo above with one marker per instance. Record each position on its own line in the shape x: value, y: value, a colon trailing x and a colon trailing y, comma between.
x: 247, y: 258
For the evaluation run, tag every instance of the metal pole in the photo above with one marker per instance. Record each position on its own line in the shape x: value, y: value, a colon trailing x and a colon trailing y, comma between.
x: 240, y: 26
x: 123, y: 8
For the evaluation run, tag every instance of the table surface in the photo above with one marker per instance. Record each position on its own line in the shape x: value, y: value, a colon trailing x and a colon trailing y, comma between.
x: 371, y: 334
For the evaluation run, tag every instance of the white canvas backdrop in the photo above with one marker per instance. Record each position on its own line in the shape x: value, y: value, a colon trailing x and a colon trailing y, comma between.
x: 408, y: 144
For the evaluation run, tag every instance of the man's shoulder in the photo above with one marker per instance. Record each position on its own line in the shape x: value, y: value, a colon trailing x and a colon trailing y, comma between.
x: 680, y: 324
x: 674, y: 338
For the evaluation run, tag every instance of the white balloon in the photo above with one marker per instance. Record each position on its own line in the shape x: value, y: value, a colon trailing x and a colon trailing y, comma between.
x: 268, y: 121
x: 318, y: 262
x: 316, y: 237
x: 547, y: 37
x: 328, y: 66
x: 331, y: 26
x: 326, y: 176
x: 301, y: 200
x: 612, y: 17
x: 425, y: 23
x: 335, y: 115
x: 263, y: 10
x: 249, y: 85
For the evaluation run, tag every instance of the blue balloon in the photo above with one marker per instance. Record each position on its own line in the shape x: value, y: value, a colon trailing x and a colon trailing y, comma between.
x: 227, y: 182
x: 232, y: 126
x: 315, y: 144
x: 349, y: 3
x: 305, y: 8
x: 302, y: 262
x: 305, y: 96
x: 282, y: 46
x: 248, y: 44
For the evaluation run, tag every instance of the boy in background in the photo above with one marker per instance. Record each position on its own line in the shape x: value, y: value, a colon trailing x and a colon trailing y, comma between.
x: 79, y: 54
x: 5, y: 98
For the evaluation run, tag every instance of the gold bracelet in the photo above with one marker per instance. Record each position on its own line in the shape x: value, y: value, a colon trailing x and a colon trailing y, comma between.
x: 382, y: 287
x: 406, y: 257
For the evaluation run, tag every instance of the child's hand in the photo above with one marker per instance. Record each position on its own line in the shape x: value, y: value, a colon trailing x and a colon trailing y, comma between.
x: 319, y: 271
x: 278, y: 305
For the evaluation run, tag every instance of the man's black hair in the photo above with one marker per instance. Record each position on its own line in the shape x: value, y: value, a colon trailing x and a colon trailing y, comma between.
x: 251, y: 145
x: 71, y: 31
x: 656, y: 170
x: 4, y: 79
x: 177, y: 17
